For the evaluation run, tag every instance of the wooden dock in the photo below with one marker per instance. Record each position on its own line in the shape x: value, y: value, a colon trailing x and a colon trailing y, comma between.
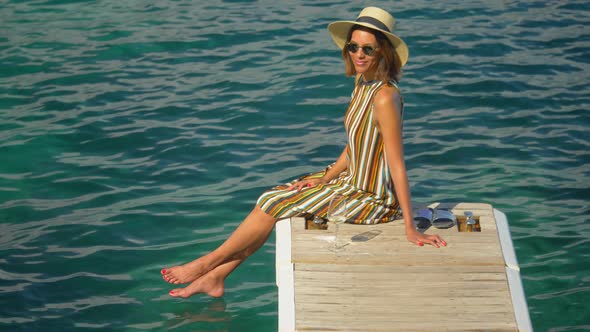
x: 380, y: 282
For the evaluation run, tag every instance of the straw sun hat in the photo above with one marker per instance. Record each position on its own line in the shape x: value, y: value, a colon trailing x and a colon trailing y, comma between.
x: 373, y: 18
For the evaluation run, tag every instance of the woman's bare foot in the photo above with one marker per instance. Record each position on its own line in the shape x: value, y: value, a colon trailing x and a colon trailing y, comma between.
x: 186, y: 273
x: 208, y: 284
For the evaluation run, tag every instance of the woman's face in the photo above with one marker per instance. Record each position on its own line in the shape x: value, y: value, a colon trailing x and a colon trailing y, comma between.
x: 361, y: 61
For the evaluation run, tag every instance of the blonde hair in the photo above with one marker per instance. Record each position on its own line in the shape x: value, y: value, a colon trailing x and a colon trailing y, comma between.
x: 388, y: 65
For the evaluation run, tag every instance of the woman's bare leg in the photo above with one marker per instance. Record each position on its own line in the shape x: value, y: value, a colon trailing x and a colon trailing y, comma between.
x: 245, y: 240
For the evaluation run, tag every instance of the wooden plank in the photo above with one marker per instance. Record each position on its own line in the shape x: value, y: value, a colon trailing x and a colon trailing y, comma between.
x: 343, y: 320
x: 344, y: 315
x: 440, y: 258
x: 418, y: 270
x: 457, y: 289
x: 342, y: 277
x: 429, y: 303
x: 368, y: 324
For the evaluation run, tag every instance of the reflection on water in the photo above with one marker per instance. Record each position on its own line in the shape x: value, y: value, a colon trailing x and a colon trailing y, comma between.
x: 212, y: 317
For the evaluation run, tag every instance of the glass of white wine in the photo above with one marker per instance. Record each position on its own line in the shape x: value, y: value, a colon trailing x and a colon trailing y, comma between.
x: 337, y: 214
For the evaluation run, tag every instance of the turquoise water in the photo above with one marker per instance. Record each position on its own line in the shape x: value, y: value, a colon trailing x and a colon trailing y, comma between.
x: 138, y: 134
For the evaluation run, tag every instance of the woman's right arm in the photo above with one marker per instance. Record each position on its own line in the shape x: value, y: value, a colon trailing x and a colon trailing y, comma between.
x: 339, y: 166
x: 333, y: 172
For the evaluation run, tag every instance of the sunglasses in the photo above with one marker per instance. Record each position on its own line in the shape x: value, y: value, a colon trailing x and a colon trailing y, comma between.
x: 368, y: 50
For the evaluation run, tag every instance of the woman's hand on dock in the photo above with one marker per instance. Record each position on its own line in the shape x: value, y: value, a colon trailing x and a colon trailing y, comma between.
x: 420, y: 239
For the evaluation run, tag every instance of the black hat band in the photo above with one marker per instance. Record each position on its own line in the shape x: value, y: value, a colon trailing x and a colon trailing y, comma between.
x: 373, y: 21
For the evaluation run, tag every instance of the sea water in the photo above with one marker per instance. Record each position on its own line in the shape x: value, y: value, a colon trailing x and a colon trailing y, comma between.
x: 136, y: 135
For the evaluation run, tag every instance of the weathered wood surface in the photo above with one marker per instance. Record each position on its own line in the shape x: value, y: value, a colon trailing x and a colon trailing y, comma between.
x: 385, y: 283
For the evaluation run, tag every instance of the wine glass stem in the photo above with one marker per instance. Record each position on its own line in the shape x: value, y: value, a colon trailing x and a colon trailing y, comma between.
x: 336, y: 237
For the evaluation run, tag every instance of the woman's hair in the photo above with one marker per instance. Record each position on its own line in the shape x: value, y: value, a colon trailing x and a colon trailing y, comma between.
x: 388, y: 65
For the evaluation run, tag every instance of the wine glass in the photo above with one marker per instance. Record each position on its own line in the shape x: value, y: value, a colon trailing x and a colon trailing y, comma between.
x: 337, y: 211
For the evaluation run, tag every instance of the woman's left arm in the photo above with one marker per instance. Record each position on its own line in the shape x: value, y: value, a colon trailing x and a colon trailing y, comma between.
x: 387, y: 118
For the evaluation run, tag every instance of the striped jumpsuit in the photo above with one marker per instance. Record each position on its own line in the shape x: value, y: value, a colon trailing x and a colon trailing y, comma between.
x: 366, y: 183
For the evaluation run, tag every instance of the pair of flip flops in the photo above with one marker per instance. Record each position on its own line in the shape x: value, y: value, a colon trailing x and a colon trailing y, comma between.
x: 438, y: 218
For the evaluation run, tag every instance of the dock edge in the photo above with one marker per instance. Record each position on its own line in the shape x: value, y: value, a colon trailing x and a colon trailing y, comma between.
x: 521, y: 311
x: 284, y: 277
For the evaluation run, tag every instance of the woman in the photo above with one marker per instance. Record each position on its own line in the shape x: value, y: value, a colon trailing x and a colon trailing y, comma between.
x: 370, y: 171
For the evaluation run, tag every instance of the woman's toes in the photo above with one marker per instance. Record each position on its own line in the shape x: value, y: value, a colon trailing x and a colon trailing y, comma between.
x: 178, y: 292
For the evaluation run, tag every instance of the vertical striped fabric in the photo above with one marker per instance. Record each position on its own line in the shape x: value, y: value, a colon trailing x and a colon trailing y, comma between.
x: 367, y: 182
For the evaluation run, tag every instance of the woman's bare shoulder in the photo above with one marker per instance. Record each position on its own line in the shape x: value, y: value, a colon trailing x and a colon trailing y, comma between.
x: 388, y: 95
